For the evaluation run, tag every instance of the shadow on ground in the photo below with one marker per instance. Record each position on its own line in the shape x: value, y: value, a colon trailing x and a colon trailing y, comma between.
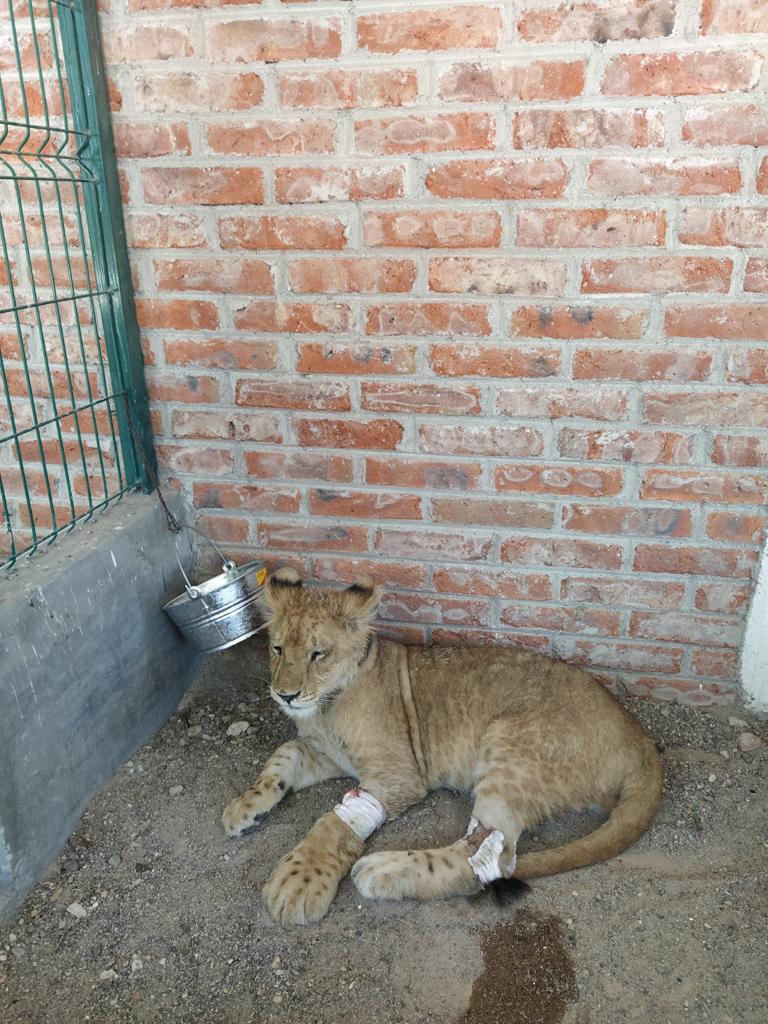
x: 171, y: 926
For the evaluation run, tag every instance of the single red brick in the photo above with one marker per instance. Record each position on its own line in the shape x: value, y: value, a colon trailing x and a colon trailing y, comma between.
x: 742, y: 226
x: 294, y: 317
x: 418, y: 319
x: 352, y: 570
x: 686, y: 628
x: 707, y: 408
x: 524, y: 81
x: 555, y: 402
x: 630, y: 591
x: 626, y: 656
x: 364, y: 504
x: 433, y: 545
x: 444, y: 28
x: 339, y: 183
x: 282, y: 232
x: 381, y: 434
x: 691, y: 692
x: 324, y: 275
x: 626, y: 446
x: 225, y: 529
x: 493, y: 361
x: 203, y: 186
x: 756, y: 276
x: 429, y: 474
x: 577, y: 554
x: 498, y: 179
x: 298, y: 465
x: 436, y: 399
x: 430, y: 609
x: 682, y: 74
x: 459, y: 637
x: 273, y: 39
x: 592, y: 227
x: 694, y: 561
x: 657, y: 274
x: 641, y: 364
x: 308, y: 536
x: 714, y: 663
x: 480, y: 439
x: 195, y: 459
x: 737, y: 450
x: 634, y: 19
x: 221, y: 425
x: 134, y: 139
x: 147, y: 42
x: 348, y: 88
x: 177, y: 314
x: 164, y: 231
x: 165, y: 5
x: 167, y: 386
x: 276, y: 393
x: 676, y: 176
x: 737, y: 527
x: 551, y: 128
x: 728, y: 598
x: 526, y: 515
x: 493, y: 583
x: 425, y: 133
x: 493, y: 275
x: 762, y: 177
x: 732, y: 125
x: 355, y: 357
x: 735, y: 322
x: 185, y: 91
x: 747, y: 366
x: 589, y: 481
x: 211, y: 275
x: 627, y: 521
x: 222, y: 353
x: 433, y: 229
x: 586, y: 621
x: 725, y: 16
x: 273, y: 137
x: 244, y: 496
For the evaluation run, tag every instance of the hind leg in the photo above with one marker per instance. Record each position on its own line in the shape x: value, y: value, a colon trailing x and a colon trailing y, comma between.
x: 418, y: 874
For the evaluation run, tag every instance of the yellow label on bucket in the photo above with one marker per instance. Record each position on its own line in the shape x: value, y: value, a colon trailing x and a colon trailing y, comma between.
x: 261, y: 575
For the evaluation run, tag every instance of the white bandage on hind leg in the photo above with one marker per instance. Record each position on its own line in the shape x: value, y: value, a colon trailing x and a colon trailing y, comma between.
x: 485, y: 860
x: 361, y: 811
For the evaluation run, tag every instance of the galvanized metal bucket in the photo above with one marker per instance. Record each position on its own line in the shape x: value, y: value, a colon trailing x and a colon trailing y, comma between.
x: 222, y: 611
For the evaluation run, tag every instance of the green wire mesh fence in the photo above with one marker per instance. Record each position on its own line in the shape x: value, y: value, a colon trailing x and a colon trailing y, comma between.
x: 73, y: 407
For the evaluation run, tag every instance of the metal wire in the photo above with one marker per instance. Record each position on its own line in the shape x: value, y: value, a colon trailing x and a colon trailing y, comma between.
x: 68, y: 380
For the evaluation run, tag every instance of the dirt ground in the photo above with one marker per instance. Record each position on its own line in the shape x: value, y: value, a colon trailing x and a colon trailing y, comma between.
x: 171, y: 926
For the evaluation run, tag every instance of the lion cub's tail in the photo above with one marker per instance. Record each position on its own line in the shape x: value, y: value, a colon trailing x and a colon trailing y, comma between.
x: 639, y: 800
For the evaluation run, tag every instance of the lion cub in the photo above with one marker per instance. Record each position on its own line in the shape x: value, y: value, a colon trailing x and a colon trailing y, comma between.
x: 528, y: 736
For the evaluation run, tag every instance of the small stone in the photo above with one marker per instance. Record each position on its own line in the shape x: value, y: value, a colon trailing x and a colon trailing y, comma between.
x: 712, y: 778
x: 238, y: 728
x: 12, y: 938
x: 277, y: 962
x: 194, y: 730
x: 724, y: 754
x: 109, y: 975
x: 19, y: 951
x: 737, y: 723
x: 115, y: 860
x: 136, y: 963
x: 748, y: 742
x: 277, y: 999
x: 3, y: 957
x: 176, y: 790
x: 665, y: 712
x: 77, y: 910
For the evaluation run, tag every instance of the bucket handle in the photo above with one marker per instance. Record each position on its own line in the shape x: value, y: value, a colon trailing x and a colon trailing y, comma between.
x: 226, y: 564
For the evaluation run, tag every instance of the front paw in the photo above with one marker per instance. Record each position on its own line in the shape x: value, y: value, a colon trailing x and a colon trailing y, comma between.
x: 246, y: 812
x: 300, y: 889
x: 380, y: 875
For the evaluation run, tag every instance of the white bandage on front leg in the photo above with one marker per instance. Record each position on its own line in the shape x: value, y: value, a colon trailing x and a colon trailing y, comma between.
x: 361, y: 812
x: 485, y: 860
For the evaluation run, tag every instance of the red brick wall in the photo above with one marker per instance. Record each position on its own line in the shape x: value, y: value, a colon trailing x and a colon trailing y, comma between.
x: 472, y: 296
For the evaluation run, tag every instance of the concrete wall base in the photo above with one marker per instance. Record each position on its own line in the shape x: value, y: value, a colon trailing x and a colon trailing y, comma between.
x: 90, y: 668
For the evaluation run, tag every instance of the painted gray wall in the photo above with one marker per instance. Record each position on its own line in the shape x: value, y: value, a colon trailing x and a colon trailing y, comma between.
x: 90, y: 668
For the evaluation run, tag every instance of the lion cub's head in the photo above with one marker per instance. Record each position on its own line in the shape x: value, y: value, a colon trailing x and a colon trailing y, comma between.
x: 318, y: 638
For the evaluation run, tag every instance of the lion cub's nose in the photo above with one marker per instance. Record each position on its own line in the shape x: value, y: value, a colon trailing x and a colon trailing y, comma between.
x: 288, y: 697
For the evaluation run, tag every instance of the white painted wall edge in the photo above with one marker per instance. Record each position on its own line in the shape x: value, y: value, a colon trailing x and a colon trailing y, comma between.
x: 754, y: 652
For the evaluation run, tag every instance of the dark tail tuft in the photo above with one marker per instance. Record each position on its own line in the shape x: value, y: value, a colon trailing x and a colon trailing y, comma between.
x: 505, y: 891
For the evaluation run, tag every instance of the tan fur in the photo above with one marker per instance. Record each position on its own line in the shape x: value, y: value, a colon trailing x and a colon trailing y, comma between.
x: 528, y: 736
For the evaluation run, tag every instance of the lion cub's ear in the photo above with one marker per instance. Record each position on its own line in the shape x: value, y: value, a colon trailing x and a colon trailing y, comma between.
x: 281, y: 586
x: 360, y: 601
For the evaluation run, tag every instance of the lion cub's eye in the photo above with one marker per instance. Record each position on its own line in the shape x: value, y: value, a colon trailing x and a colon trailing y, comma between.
x: 277, y: 649
x: 316, y: 655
